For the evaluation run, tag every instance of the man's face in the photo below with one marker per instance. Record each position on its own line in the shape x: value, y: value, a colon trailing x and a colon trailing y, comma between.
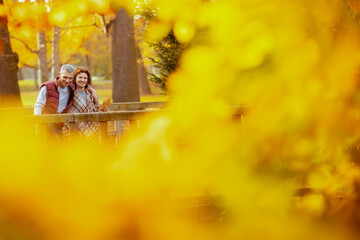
x: 65, y: 78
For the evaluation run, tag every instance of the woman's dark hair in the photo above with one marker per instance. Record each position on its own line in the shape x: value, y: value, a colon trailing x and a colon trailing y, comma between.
x: 82, y: 70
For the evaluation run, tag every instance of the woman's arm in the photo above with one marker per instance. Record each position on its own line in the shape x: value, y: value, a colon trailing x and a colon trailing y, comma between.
x: 95, y: 97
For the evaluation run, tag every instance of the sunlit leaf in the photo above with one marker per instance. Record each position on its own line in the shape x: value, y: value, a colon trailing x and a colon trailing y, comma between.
x: 183, y: 31
x: 157, y: 30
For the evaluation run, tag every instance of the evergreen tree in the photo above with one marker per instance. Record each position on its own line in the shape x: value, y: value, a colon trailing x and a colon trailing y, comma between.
x: 168, y: 53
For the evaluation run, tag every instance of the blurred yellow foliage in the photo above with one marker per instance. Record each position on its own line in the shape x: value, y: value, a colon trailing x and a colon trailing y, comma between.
x: 184, y: 31
x: 157, y: 30
x: 3, y: 10
x: 200, y: 171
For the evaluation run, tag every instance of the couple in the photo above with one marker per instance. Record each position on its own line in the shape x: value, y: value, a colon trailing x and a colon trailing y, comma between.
x: 70, y: 92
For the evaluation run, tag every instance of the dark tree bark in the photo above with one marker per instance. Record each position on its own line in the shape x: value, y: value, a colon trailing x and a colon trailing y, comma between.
x: 20, y: 74
x: 88, y: 63
x: 124, y: 65
x: 36, y: 85
x: 9, y: 87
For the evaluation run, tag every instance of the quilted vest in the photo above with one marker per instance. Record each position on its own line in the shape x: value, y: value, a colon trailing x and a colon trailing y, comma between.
x: 52, y: 97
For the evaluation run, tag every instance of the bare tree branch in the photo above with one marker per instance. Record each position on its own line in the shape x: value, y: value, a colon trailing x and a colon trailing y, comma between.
x: 67, y: 28
x: 25, y: 44
x: 70, y: 57
x: 104, y: 27
x: 67, y: 24
x: 89, y: 25
x: 30, y: 66
x: 81, y: 26
x: 108, y: 27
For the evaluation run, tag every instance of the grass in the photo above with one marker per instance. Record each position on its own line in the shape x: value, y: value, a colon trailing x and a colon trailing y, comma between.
x: 103, y: 88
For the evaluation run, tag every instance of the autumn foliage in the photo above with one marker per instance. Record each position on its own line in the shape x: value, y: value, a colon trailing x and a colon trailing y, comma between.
x: 287, y: 169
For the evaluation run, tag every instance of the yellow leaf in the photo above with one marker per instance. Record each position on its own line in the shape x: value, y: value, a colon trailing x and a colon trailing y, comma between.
x: 107, y: 102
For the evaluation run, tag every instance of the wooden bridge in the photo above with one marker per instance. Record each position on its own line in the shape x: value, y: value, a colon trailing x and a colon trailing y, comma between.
x: 110, y: 122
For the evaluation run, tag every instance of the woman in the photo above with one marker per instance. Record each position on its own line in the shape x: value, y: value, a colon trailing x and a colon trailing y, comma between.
x: 82, y: 104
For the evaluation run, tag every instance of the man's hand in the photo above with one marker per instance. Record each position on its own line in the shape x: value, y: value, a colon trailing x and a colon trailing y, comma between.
x: 95, y: 97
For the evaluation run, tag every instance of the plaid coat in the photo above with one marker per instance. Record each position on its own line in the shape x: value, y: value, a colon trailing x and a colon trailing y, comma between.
x: 87, y: 129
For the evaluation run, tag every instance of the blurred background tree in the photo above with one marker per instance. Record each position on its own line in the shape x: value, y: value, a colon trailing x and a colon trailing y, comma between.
x: 68, y: 40
x: 9, y: 88
x: 168, y: 54
x: 71, y: 39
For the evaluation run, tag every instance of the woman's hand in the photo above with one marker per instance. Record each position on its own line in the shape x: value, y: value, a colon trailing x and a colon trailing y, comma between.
x: 106, y: 109
x: 95, y: 97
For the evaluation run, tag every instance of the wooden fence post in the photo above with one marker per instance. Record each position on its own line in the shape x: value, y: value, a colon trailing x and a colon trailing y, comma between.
x: 134, y: 124
x: 73, y: 130
x: 103, y: 132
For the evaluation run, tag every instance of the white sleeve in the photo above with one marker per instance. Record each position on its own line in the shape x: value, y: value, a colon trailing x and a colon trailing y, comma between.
x: 40, y: 101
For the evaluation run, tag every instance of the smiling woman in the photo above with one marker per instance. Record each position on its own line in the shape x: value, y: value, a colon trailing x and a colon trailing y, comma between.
x: 81, y: 81
x: 83, y: 103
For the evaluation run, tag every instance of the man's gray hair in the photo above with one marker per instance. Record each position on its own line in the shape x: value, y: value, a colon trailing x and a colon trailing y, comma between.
x: 67, y: 67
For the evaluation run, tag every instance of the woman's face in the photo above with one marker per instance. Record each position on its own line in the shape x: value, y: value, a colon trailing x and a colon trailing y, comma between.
x: 81, y: 80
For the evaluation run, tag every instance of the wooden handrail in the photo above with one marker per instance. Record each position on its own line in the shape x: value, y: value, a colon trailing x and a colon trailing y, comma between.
x: 137, y: 105
x: 114, y: 106
x: 97, y: 116
x: 83, y: 117
x: 124, y: 106
x: 104, y: 118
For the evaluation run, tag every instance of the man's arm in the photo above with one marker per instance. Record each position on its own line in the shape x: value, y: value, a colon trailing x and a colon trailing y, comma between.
x: 40, y: 101
x: 94, y: 95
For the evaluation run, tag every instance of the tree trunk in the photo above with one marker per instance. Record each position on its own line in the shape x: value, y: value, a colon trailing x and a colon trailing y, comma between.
x: 144, y: 84
x: 9, y: 87
x: 55, y: 53
x: 36, y: 85
x: 88, y: 63
x: 124, y: 66
x: 42, y: 59
x: 20, y: 74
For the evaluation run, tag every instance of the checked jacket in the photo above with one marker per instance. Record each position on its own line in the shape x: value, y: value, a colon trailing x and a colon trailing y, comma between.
x: 87, y: 129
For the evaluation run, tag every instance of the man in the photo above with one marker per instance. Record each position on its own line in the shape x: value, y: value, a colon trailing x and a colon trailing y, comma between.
x: 57, y: 96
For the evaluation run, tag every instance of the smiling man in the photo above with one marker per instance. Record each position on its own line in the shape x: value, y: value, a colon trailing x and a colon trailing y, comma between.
x: 57, y: 96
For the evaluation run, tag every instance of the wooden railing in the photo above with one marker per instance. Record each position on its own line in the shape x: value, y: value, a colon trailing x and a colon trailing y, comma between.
x: 114, y: 107
x: 130, y: 111
x: 206, y: 207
